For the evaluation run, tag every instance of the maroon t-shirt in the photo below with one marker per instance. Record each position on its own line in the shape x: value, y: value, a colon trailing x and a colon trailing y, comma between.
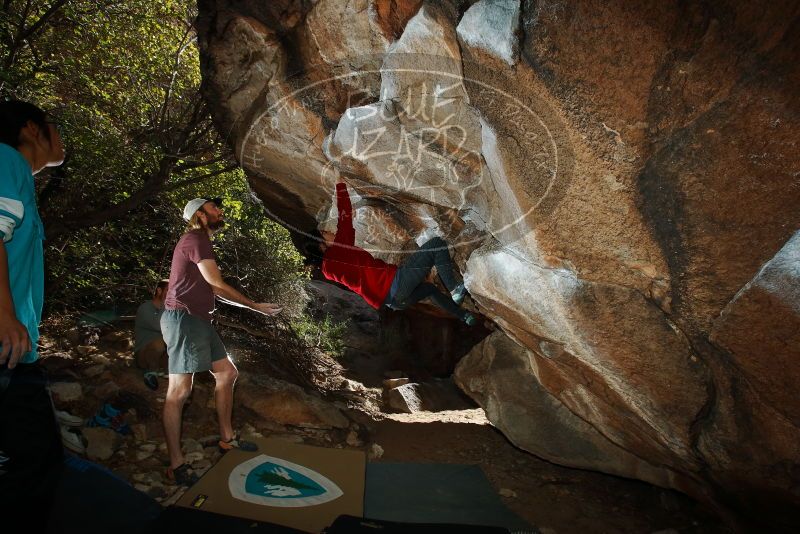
x: 188, y: 290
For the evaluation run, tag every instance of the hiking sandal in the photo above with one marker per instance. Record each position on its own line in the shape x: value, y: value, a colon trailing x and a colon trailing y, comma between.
x: 150, y: 380
x: 182, y: 475
x: 236, y: 443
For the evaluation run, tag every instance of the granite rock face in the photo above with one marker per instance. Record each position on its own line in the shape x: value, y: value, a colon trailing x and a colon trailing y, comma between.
x: 620, y: 184
x: 497, y: 374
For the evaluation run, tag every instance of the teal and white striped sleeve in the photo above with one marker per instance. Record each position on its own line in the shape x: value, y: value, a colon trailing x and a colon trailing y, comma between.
x: 11, y: 209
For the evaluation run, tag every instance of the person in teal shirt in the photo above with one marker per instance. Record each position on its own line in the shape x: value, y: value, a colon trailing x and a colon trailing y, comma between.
x: 22, y: 255
x: 28, y: 143
x: 30, y: 443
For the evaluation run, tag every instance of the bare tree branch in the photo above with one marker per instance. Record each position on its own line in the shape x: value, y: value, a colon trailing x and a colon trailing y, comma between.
x: 185, y: 41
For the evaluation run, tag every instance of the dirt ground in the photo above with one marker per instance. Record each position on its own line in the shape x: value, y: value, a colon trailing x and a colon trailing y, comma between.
x: 550, y: 497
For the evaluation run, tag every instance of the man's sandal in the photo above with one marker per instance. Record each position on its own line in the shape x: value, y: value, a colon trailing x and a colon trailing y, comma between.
x: 182, y: 475
x: 236, y: 443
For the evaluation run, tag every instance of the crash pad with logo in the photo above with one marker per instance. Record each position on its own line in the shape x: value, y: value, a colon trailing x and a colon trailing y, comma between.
x: 299, y: 486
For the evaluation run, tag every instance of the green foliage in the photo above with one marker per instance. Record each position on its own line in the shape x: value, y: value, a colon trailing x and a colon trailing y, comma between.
x: 115, y: 265
x: 325, y: 334
x: 122, y: 78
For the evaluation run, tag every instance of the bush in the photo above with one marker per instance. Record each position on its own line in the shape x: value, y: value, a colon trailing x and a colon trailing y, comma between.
x: 122, y: 80
x: 325, y: 335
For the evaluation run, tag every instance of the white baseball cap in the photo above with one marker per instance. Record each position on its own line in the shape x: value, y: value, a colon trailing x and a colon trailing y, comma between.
x: 196, y: 203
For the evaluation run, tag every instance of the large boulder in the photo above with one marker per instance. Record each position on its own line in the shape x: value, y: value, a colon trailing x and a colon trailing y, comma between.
x: 287, y: 404
x: 496, y: 374
x: 618, y: 181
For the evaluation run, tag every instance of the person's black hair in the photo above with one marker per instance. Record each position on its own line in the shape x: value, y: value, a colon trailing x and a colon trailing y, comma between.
x: 311, y: 250
x: 14, y: 115
x: 162, y: 284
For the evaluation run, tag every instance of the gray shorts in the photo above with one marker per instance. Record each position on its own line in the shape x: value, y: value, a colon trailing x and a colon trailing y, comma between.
x: 192, y: 343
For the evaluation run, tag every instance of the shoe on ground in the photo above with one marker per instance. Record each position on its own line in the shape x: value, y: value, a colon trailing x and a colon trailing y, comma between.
x: 151, y: 380
x: 470, y: 319
x: 72, y: 440
x: 110, y: 417
x: 67, y: 419
x: 99, y: 421
x: 105, y: 416
x: 236, y: 443
x: 183, y: 475
x: 459, y: 293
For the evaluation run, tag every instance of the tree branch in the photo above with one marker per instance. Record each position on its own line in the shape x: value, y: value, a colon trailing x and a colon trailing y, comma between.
x: 25, y: 33
x: 58, y: 4
x: 152, y: 186
x: 224, y: 321
x: 184, y: 43
x: 197, y: 179
x: 195, y: 164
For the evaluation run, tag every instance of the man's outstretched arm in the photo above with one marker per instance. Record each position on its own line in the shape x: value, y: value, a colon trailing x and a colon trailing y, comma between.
x: 13, y: 334
x: 212, y: 275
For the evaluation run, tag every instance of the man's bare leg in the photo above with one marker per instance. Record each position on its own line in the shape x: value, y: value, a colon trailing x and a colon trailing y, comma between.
x: 225, y: 374
x: 179, y: 389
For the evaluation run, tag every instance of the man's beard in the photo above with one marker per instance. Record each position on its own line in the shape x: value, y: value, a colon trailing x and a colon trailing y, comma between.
x: 214, y: 226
